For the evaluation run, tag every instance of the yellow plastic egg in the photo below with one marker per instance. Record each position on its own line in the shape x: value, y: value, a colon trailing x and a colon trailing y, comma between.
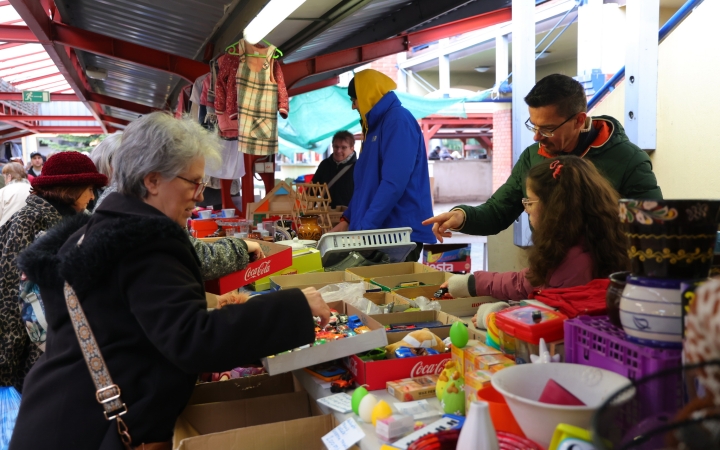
x: 381, y: 411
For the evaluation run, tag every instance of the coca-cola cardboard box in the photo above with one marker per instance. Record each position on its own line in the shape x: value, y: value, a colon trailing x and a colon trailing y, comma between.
x: 460, y: 307
x: 277, y: 257
x: 376, y: 374
x: 298, y: 359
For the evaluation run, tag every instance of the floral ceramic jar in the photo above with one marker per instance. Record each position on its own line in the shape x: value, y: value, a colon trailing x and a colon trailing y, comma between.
x: 309, y: 228
x: 670, y: 238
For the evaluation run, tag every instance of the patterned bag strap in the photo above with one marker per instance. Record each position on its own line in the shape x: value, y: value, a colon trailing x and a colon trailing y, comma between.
x: 107, y: 393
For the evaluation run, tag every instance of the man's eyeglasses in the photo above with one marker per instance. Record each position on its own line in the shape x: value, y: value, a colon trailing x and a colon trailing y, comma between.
x: 544, y: 131
x: 199, y: 186
x: 527, y: 202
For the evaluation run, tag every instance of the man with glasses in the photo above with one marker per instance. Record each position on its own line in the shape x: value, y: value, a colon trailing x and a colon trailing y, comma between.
x: 561, y: 126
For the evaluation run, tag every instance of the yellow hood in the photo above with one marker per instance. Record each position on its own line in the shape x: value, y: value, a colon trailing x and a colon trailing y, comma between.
x: 370, y: 87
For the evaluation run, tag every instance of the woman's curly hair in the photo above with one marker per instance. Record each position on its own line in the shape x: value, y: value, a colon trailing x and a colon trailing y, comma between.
x: 579, y: 206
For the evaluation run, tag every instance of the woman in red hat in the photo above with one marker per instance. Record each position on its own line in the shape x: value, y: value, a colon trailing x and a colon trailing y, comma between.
x: 63, y: 189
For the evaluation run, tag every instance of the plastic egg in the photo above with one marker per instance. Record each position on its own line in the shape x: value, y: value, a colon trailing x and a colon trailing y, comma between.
x: 357, y: 396
x: 381, y: 411
x: 459, y: 335
x: 366, y: 407
x: 445, y: 376
x: 453, y: 402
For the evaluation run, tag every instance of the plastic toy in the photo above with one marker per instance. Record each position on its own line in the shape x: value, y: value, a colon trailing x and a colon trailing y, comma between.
x: 366, y: 407
x: 544, y: 355
x: 362, y: 329
x: 354, y: 322
x: 357, y: 396
x: 345, y: 383
x: 478, y: 433
x: 440, y: 292
x: 381, y: 411
x: 420, y: 338
x: 450, y: 372
x: 453, y: 400
x: 459, y: 334
x: 408, y: 352
x: 568, y: 437
x: 376, y: 354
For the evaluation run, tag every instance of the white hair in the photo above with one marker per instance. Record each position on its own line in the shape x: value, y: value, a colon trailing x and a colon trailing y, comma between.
x: 158, y: 142
x: 102, y: 154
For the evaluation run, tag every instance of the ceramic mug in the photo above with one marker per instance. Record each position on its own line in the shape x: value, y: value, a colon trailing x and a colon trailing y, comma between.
x: 651, y: 311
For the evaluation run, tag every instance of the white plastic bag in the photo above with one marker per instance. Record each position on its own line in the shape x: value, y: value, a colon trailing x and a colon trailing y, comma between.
x: 9, y: 406
x: 351, y: 293
x: 425, y: 304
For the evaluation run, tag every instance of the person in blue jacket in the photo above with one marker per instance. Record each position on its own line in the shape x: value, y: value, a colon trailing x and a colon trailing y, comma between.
x: 392, y: 183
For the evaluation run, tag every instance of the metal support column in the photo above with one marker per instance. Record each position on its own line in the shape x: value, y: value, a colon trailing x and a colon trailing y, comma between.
x: 641, y: 72
x: 501, y: 60
x: 523, y: 79
x: 444, y: 68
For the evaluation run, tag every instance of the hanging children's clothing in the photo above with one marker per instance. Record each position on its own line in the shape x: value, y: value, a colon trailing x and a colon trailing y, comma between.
x: 226, y: 96
x: 233, y: 163
x: 257, y: 99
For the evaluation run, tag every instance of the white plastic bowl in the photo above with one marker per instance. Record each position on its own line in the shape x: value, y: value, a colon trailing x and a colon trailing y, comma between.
x: 523, y: 384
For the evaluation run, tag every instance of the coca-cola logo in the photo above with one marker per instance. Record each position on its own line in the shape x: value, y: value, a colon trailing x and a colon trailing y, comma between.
x: 352, y: 366
x: 428, y: 369
x: 257, y: 272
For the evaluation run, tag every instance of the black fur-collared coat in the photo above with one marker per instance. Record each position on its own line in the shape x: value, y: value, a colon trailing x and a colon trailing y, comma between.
x: 137, y: 278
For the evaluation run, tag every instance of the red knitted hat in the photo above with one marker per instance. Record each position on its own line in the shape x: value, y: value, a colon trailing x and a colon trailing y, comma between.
x: 69, y: 169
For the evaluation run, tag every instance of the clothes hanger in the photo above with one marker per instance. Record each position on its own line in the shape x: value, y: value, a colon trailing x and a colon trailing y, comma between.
x: 230, y: 50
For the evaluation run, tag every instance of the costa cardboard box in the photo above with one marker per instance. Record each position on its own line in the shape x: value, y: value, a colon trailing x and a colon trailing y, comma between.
x: 383, y: 270
x: 298, y: 359
x: 410, y: 389
x: 376, y: 374
x: 243, y: 388
x: 448, y: 257
x: 459, y: 307
x: 306, y: 260
x: 303, y: 433
x: 277, y: 257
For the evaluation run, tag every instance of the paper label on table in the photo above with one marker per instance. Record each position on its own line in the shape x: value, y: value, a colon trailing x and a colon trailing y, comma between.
x: 446, y: 423
x: 420, y: 409
x: 338, y: 402
x: 343, y: 436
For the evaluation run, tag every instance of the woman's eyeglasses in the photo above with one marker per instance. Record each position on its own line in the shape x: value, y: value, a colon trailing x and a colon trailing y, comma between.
x: 527, y: 202
x: 199, y: 186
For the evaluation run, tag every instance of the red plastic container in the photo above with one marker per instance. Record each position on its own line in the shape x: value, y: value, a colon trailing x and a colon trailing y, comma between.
x: 520, y: 334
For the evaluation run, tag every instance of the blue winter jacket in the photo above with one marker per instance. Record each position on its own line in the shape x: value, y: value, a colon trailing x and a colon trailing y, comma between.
x: 392, y: 183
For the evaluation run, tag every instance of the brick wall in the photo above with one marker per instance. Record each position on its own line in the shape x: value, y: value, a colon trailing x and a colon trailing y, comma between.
x: 387, y: 65
x: 502, y: 147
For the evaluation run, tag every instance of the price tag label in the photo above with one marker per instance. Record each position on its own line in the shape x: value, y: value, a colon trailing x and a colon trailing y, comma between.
x: 343, y: 436
x: 338, y: 402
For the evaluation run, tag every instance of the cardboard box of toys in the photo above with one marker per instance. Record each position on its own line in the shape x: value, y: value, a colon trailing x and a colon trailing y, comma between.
x: 383, y: 298
x: 277, y: 257
x: 384, y: 270
x: 407, y: 281
x: 459, y: 307
x: 317, y: 280
x: 306, y: 433
x: 376, y: 373
x: 334, y: 349
x: 448, y: 257
x: 415, y: 320
x: 305, y: 260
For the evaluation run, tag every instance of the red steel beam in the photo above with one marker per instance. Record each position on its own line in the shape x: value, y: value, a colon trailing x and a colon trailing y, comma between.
x: 32, y: 80
x: 13, y: 74
x: 17, y: 33
x: 11, y: 45
x: 6, y: 138
x: 115, y: 120
x: 69, y: 130
x: 17, y: 97
x: 118, y: 103
x: 58, y: 118
x: 296, y: 71
x: 36, y: 17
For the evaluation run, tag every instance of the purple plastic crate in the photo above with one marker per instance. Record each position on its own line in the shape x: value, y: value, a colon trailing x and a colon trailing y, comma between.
x: 594, y: 341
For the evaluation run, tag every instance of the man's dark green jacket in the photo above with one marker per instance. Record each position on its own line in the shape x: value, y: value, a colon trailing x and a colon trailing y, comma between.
x: 623, y: 163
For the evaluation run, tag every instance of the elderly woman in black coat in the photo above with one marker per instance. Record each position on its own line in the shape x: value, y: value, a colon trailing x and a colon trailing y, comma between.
x: 138, y: 280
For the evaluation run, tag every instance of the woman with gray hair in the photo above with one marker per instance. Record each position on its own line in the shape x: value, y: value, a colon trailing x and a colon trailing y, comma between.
x: 217, y: 259
x: 138, y: 280
x: 16, y: 190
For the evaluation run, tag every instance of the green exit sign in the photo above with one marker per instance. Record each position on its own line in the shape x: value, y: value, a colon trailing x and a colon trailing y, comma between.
x: 36, y: 96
